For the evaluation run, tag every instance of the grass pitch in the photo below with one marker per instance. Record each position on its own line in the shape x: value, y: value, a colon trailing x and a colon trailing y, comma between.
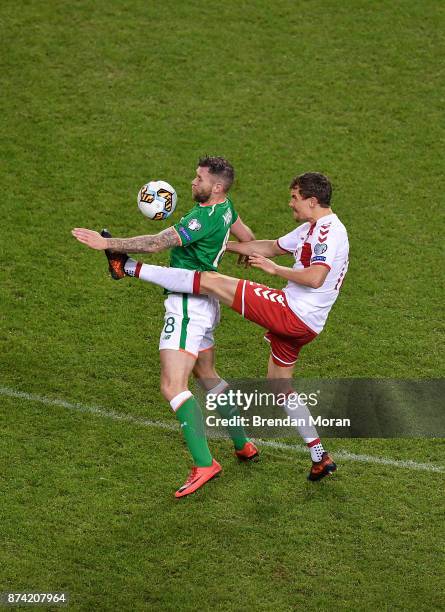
x: 97, y: 99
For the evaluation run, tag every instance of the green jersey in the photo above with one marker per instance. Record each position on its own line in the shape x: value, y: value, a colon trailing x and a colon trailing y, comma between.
x: 204, y: 232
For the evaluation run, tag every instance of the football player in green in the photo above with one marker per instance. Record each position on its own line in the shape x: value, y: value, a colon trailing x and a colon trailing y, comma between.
x: 186, y: 345
x: 293, y: 316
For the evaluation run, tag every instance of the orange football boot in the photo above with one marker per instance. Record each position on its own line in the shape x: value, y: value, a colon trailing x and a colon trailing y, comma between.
x: 249, y: 452
x: 116, y: 261
x: 322, y: 468
x: 198, y: 477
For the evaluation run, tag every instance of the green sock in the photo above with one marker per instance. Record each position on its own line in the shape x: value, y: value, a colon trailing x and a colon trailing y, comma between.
x: 236, y: 432
x: 192, y: 426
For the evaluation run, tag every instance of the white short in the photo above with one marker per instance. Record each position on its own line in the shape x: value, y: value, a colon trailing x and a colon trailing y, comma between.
x: 189, y: 323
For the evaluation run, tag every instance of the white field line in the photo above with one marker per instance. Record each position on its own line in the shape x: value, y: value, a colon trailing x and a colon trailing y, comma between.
x: 299, y: 448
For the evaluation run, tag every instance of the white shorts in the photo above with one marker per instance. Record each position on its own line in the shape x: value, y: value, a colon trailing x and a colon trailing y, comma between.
x: 189, y: 323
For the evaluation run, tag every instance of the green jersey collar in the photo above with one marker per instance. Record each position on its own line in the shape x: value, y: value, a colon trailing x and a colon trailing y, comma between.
x: 217, y: 204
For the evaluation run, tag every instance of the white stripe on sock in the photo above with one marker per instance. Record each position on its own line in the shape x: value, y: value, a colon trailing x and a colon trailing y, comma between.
x: 219, y: 388
x: 179, y: 399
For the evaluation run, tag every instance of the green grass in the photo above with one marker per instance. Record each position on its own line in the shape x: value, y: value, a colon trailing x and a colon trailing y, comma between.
x: 97, y: 98
x: 90, y: 510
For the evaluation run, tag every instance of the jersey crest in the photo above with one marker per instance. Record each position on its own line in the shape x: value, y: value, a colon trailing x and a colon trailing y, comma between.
x: 194, y: 225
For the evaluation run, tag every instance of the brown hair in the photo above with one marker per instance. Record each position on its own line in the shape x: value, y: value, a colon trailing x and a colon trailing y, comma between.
x: 314, y: 185
x: 220, y: 167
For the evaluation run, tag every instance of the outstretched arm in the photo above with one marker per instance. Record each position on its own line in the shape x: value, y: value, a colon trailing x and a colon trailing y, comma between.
x: 313, y: 276
x: 241, y: 231
x: 268, y: 248
x: 166, y: 239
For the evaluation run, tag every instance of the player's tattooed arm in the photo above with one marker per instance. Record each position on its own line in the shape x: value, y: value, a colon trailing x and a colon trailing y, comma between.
x: 166, y: 239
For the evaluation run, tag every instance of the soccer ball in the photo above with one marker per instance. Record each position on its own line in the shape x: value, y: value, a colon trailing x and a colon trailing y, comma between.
x: 157, y: 200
